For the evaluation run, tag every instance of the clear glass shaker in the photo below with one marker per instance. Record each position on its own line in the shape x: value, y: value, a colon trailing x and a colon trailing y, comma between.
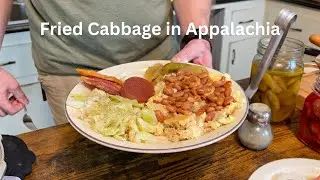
x: 256, y: 132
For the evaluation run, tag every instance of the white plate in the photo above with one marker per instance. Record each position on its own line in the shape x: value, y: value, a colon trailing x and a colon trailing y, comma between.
x: 3, y: 164
x: 137, y: 69
x: 288, y: 169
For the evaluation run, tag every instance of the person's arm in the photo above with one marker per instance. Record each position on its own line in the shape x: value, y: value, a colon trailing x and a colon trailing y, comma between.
x: 8, y: 85
x: 5, y: 11
x: 196, y: 12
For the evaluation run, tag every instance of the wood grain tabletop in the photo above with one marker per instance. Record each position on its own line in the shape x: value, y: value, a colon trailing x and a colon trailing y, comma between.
x: 62, y: 153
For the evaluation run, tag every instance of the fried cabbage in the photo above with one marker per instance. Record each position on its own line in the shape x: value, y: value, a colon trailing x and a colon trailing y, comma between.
x: 118, y: 117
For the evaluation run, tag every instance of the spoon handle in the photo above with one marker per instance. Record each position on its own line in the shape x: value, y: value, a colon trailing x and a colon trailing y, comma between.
x: 283, y: 21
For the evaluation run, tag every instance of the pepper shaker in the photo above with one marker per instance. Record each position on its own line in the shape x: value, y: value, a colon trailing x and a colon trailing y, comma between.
x: 256, y: 132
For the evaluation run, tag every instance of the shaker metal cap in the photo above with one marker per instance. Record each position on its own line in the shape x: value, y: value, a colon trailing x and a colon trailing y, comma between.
x: 259, y: 112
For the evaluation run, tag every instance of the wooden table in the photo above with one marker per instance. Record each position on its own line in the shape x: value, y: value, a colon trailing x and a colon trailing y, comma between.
x: 62, y: 153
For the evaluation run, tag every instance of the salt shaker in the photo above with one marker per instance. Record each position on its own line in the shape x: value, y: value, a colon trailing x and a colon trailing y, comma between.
x: 256, y: 132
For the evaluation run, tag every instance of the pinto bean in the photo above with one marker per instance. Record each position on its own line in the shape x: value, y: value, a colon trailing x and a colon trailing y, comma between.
x: 216, y: 84
x: 204, y: 80
x: 212, y: 105
x: 208, y: 89
x: 220, y: 83
x: 184, y: 112
x: 179, y: 77
x: 187, y: 113
x: 209, y: 82
x: 200, y: 91
x: 212, y: 98
x: 197, y: 81
x: 217, y: 93
x: 182, y: 99
x: 220, y: 101
x: 210, y: 116
x: 168, y: 91
x: 194, y: 92
x: 200, y: 86
x: 187, y: 106
x: 186, y: 90
x: 165, y: 101
x: 170, y: 79
x: 220, y: 89
x: 193, y: 78
x: 185, y: 78
x: 177, y: 86
x: 171, y: 109
x: 179, y: 104
x: 174, y: 98
x: 197, y: 98
x: 191, y: 99
x: 178, y: 94
x: 228, y: 101
x: 201, y: 111
x: 159, y: 115
x: 219, y: 108
x: 172, y: 102
x: 203, y: 75
x: 171, y: 85
x: 210, y: 109
x: 192, y: 85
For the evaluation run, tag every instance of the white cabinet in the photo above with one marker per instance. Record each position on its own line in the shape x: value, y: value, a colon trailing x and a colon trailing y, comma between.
x: 16, y: 58
x: 307, y: 22
x: 245, y: 18
x: 240, y: 58
x: 237, y: 51
x: 37, y: 109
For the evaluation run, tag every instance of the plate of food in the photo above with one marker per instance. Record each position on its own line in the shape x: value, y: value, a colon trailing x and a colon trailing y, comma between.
x: 156, y: 106
x: 289, y: 169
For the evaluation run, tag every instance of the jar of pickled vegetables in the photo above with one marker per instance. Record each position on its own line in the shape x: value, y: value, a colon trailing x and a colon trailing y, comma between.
x: 280, y: 84
x: 309, y: 128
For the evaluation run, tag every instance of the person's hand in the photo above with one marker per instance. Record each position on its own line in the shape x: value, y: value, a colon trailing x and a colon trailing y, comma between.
x: 198, y: 51
x: 12, y: 98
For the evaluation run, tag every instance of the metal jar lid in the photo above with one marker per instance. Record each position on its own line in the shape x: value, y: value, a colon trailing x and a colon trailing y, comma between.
x: 259, y: 113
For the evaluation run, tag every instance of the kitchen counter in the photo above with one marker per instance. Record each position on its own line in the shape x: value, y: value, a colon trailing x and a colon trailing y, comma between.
x: 62, y: 153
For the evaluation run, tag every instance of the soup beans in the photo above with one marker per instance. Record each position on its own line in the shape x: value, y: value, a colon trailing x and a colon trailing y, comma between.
x: 183, y: 90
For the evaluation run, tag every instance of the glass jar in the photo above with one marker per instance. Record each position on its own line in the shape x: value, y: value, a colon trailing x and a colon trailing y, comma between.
x: 280, y: 84
x: 309, y: 128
